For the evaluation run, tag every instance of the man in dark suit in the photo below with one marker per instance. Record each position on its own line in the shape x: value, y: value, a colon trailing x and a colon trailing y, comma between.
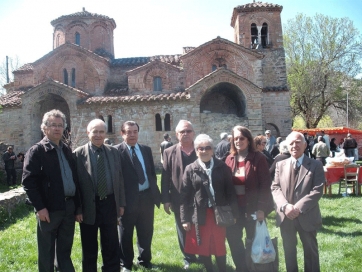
x: 50, y: 181
x: 176, y: 158
x: 297, y: 188
x: 142, y: 194
x: 103, y: 198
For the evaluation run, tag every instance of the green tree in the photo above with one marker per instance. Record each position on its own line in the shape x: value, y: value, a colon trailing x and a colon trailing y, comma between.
x: 323, y: 56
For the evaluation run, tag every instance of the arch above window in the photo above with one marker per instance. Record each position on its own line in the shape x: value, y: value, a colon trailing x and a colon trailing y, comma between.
x: 254, y: 34
x: 109, y: 124
x: 158, y: 122
x: 167, y: 122
x: 264, y: 35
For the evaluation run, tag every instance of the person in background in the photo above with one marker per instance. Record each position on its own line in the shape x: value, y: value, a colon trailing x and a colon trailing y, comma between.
x: 284, y: 154
x: 251, y: 179
x: 165, y: 144
x: 9, y: 158
x: 270, y: 141
x: 51, y: 183
x: 311, y: 144
x: 297, y: 189
x: 333, y: 146
x: 349, y: 145
x: 275, y: 151
x: 176, y: 158
x: 203, y: 236
x: 326, y: 139
x: 222, y: 149
x: 260, y: 143
x: 321, y: 150
x: 306, y: 151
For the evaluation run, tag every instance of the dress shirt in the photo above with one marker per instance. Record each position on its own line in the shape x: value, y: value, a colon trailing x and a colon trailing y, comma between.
x: 146, y: 184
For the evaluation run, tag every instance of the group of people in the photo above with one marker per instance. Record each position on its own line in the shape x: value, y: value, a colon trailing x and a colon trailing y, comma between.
x: 103, y: 186
x: 192, y: 174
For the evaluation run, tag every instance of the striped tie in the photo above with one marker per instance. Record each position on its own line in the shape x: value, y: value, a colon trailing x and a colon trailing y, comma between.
x: 101, y: 175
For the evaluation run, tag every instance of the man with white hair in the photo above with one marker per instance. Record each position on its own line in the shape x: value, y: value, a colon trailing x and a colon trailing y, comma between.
x: 270, y: 141
x: 103, y: 198
x: 297, y: 188
x: 222, y: 149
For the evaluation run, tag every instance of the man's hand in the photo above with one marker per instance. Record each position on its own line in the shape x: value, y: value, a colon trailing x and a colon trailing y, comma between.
x: 79, y: 218
x: 186, y: 226
x: 121, y: 211
x: 167, y: 207
x: 291, y: 212
x: 260, y: 215
x: 43, y: 215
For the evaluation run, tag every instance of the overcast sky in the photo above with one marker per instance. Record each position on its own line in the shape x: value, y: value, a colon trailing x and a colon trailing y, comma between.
x: 144, y: 27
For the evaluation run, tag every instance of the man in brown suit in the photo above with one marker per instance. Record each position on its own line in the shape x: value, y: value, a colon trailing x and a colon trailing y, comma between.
x: 297, y: 188
x: 175, y: 160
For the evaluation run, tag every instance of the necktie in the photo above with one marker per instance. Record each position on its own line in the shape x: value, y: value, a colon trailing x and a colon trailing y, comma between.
x: 293, y: 181
x: 101, y: 175
x: 138, y: 166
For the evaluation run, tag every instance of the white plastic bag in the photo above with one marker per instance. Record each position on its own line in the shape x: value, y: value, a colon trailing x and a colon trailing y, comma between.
x: 262, y: 250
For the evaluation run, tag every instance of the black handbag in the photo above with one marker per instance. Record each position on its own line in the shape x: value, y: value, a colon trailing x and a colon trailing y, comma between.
x: 223, y: 214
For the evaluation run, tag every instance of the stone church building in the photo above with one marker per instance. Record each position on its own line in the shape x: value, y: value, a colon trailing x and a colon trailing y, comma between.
x: 215, y: 85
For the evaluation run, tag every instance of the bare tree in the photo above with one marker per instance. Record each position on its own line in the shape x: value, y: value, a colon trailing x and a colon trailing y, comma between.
x: 323, y: 56
x: 13, y: 64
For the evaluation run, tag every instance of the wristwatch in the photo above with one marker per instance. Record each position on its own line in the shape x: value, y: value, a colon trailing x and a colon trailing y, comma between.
x: 282, y: 208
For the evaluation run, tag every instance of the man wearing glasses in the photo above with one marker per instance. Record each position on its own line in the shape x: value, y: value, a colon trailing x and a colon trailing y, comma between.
x: 175, y: 160
x: 50, y: 181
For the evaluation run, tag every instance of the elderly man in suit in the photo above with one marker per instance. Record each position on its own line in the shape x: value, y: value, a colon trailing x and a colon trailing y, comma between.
x: 176, y: 158
x: 142, y: 194
x: 103, y: 198
x: 297, y: 188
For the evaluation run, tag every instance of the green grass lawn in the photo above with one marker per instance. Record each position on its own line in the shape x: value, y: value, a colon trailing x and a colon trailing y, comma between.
x: 340, y: 239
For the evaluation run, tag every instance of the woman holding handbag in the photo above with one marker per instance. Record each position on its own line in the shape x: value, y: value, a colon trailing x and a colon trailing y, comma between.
x: 251, y: 179
x: 204, y: 237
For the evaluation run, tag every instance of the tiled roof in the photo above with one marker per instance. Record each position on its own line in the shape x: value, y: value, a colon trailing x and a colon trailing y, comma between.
x: 258, y: 5
x: 12, y: 99
x: 172, y: 59
x: 25, y: 68
x: 137, y: 98
x: 81, y: 14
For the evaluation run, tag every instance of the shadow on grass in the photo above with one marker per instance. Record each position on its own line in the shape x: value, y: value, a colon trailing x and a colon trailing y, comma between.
x: 336, y: 222
x: 21, y: 211
x: 174, y: 268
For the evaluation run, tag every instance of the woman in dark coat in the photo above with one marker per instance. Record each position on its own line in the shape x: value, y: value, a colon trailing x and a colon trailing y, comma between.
x: 252, y: 182
x: 203, y: 236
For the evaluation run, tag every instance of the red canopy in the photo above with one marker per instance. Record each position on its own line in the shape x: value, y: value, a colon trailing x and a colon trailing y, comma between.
x: 333, y: 130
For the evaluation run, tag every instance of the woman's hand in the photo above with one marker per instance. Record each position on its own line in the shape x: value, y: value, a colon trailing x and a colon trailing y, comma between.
x: 187, y: 226
x: 260, y: 215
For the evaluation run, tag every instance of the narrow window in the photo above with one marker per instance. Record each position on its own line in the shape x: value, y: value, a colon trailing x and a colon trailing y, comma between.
x: 167, y: 122
x: 65, y: 76
x: 264, y: 35
x: 77, y: 38
x: 158, y: 122
x: 254, y: 34
x: 157, y: 84
x: 109, y: 124
x: 73, y: 77
x: 57, y: 40
x: 214, y: 67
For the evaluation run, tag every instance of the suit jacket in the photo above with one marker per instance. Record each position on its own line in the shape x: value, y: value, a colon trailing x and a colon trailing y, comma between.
x: 88, y: 186
x: 172, y: 173
x: 307, y: 192
x: 131, y: 178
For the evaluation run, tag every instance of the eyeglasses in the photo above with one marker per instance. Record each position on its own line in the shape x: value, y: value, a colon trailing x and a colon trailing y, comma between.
x: 239, y: 139
x: 203, y: 148
x: 263, y: 143
x: 56, y: 126
x: 185, y: 131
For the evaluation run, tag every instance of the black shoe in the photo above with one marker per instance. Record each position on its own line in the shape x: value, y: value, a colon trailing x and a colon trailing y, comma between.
x: 146, y: 265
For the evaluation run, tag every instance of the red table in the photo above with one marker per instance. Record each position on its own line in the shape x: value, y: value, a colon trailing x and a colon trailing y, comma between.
x: 334, y: 174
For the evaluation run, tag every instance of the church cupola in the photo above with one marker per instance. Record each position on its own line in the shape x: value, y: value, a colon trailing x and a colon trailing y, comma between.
x: 89, y: 30
x: 258, y: 25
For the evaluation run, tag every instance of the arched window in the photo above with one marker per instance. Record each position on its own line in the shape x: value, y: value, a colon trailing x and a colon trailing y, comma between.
x: 109, y: 124
x: 158, y: 122
x: 73, y: 77
x: 57, y: 40
x: 214, y: 67
x: 264, y: 35
x: 157, y: 84
x: 167, y: 122
x: 65, y: 76
x: 254, y: 34
x: 77, y: 38
x: 101, y: 117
